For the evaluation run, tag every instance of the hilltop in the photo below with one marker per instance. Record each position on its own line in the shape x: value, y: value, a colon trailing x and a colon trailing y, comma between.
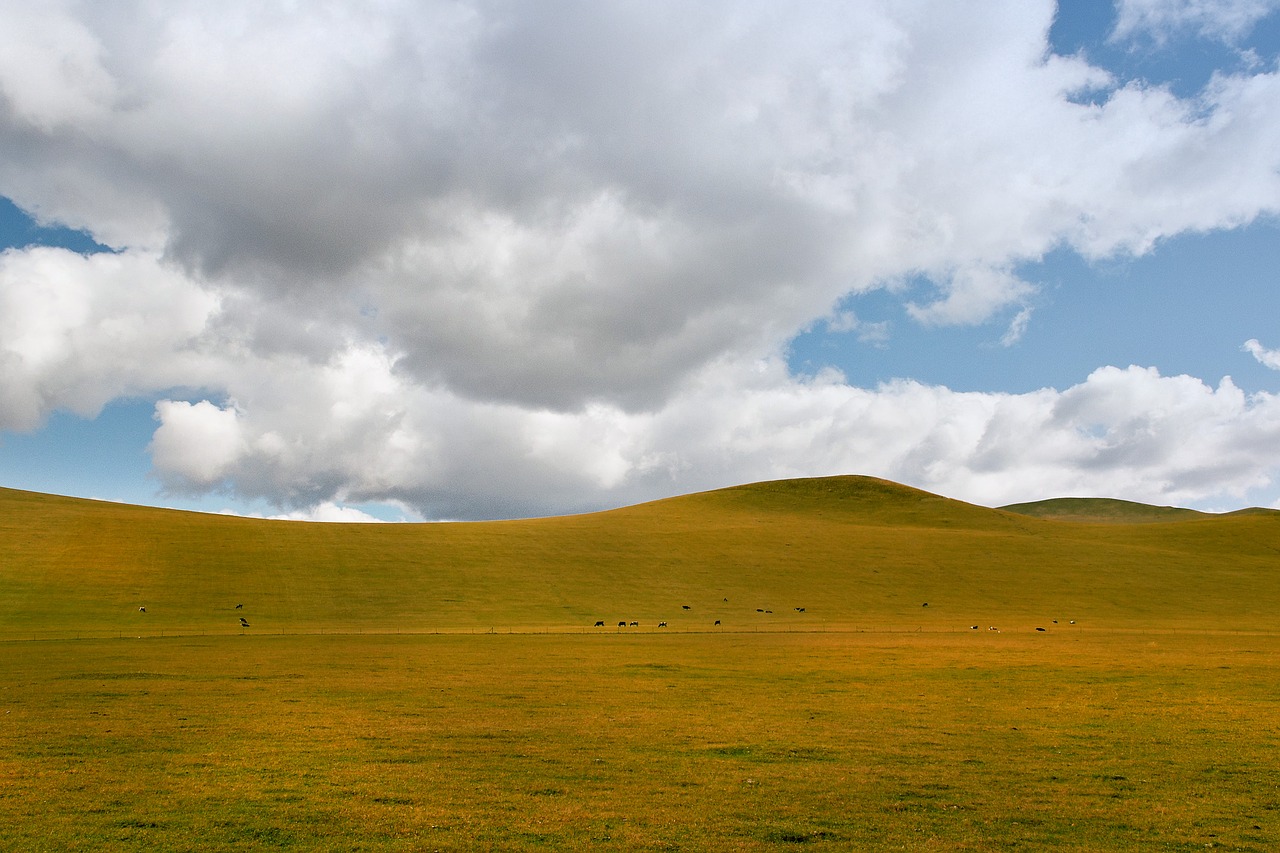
x: 1105, y: 510
x: 853, y: 552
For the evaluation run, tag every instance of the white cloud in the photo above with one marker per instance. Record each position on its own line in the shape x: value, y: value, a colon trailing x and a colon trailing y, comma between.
x: 51, y: 71
x: 1017, y: 328
x: 491, y: 259
x: 196, y: 443
x: 1131, y: 433
x: 77, y: 332
x: 973, y: 296
x: 1267, y: 357
x: 328, y: 511
x: 846, y: 321
x: 1226, y: 20
x: 554, y: 206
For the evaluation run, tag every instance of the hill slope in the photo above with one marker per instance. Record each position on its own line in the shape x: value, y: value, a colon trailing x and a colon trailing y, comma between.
x: 1108, y: 510
x: 854, y: 552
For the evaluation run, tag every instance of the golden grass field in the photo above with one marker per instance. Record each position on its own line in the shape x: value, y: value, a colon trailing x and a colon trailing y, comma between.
x: 444, y: 687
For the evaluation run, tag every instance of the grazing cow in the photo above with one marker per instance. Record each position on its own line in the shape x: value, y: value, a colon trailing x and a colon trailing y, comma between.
x: 1040, y: 629
x: 635, y: 624
x: 622, y: 624
x: 768, y: 611
x: 973, y: 627
x: 1073, y: 621
x: 600, y: 624
x: 759, y: 609
x: 1055, y: 621
x: 244, y: 624
x: 717, y: 621
x: 239, y: 607
x: 684, y: 607
x: 926, y: 604
x: 662, y: 624
x: 993, y: 628
x: 726, y: 599
x: 142, y: 610
x: 799, y: 609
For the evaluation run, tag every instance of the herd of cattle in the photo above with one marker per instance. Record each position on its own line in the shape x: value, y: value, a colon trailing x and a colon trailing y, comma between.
x: 600, y: 623
x: 633, y: 624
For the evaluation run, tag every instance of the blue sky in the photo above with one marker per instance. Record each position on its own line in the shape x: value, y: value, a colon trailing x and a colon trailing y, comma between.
x: 456, y: 261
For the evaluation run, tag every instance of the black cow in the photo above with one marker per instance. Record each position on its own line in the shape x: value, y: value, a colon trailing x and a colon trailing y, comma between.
x: 684, y: 607
x: 662, y: 624
x: 239, y: 607
x: 600, y: 624
x: 622, y: 624
x: 635, y: 624
x: 717, y: 621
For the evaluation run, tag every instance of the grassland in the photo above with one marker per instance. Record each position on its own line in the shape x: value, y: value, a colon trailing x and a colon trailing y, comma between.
x: 368, y: 706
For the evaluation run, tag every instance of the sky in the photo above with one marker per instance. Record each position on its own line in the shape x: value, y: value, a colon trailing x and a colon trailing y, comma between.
x: 480, y: 259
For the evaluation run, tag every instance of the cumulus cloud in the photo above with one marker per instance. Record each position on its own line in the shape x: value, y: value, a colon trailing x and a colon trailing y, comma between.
x: 196, y: 443
x: 489, y: 258
x: 1129, y: 432
x: 77, y: 332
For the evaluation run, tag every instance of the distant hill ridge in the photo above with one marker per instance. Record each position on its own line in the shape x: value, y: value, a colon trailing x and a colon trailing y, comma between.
x: 1115, y: 511
x: 1109, y: 510
x: 830, y: 553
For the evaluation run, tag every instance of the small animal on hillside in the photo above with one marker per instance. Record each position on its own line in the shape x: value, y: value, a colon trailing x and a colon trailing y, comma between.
x: 759, y: 609
x: 717, y: 621
x: 973, y: 627
x: 926, y: 604
x: 1040, y: 629
x: 243, y: 623
x: 799, y: 609
x: 684, y: 607
x: 622, y: 624
x: 142, y: 610
x: 662, y: 624
x: 635, y: 624
x: 600, y: 623
x: 239, y: 607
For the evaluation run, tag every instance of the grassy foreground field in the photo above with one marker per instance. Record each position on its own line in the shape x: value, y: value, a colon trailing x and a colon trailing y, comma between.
x: 368, y: 706
x: 740, y: 742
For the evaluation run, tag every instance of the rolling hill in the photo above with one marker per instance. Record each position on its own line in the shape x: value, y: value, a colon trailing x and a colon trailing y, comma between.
x: 1102, y: 510
x: 856, y: 553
